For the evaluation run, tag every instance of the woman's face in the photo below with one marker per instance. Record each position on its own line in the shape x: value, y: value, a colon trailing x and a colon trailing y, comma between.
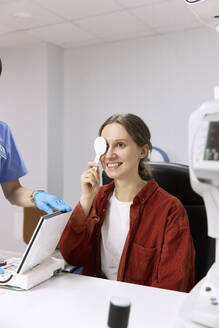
x: 121, y: 159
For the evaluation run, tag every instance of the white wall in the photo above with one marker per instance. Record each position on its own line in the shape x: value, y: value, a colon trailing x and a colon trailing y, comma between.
x: 31, y: 102
x: 162, y: 79
x: 55, y: 109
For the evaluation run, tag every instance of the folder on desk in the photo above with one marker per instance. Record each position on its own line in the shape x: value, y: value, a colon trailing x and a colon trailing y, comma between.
x: 37, y: 264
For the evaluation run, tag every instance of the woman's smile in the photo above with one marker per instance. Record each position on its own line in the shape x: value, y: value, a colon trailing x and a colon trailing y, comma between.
x: 113, y: 166
x: 122, y: 156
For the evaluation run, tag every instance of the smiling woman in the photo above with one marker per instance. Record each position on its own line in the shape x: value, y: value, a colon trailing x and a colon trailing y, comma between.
x: 131, y: 229
x: 131, y: 135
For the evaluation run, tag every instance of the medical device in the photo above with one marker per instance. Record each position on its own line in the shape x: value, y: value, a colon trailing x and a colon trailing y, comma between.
x: 201, y: 307
x: 206, y: 10
x: 99, y: 147
x: 37, y: 263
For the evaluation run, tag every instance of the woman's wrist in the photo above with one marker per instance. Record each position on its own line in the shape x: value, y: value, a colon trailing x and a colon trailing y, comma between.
x: 86, y: 203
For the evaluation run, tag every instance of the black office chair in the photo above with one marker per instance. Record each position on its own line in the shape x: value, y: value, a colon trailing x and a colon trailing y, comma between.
x: 174, y: 178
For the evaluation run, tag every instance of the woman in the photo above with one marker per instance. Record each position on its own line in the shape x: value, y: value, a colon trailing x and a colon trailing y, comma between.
x: 131, y: 229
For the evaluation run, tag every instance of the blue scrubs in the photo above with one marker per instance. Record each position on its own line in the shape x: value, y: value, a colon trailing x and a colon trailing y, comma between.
x: 12, y: 166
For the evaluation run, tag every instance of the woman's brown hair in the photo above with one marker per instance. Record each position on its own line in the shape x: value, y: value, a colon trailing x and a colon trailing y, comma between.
x: 139, y: 132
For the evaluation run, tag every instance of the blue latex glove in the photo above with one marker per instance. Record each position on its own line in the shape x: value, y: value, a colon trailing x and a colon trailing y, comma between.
x: 47, y: 202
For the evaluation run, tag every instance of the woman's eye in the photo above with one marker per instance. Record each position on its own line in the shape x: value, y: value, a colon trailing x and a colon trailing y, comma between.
x: 121, y: 145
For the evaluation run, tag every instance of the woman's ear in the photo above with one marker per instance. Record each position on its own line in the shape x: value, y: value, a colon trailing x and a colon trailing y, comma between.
x: 144, y: 151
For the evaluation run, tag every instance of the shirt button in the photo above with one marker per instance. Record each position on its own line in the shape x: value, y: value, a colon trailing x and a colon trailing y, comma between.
x: 104, y: 209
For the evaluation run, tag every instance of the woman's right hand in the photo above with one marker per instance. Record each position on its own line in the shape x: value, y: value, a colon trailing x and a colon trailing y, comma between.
x: 90, y: 184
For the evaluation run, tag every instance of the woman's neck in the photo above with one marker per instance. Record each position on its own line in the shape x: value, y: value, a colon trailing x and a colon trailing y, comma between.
x: 126, y: 191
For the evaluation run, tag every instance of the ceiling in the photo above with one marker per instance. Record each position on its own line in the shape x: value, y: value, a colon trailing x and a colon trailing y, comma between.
x: 76, y: 23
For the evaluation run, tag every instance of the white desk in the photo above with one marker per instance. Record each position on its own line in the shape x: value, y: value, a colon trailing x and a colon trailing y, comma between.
x: 76, y: 301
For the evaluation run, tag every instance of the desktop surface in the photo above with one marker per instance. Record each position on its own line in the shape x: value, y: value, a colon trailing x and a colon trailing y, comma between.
x: 70, y: 300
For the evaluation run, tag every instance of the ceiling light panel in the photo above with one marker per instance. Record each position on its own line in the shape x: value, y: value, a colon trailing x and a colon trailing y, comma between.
x: 25, y: 14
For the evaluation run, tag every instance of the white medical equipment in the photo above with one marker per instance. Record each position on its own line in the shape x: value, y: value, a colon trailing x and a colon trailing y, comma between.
x: 206, y: 10
x: 99, y: 147
x: 201, y: 308
x: 37, y: 263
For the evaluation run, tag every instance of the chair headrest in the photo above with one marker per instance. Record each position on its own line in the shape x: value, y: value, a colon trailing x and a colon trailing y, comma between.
x: 174, y: 178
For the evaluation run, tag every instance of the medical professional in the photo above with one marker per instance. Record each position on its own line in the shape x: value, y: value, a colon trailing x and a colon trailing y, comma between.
x: 131, y: 229
x: 12, y: 168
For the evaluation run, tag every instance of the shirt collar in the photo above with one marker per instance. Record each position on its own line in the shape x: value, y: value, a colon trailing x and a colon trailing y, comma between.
x: 141, y: 197
x: 107, y: 189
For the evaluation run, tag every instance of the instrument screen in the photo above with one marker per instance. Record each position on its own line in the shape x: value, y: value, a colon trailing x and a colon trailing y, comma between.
x: 212, y: 145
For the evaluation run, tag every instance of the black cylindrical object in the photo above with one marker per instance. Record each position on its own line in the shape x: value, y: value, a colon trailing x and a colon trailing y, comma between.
x: 119, y: 312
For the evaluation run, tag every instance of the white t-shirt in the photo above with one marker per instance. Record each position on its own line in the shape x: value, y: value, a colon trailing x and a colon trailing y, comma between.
x: 113, y: 235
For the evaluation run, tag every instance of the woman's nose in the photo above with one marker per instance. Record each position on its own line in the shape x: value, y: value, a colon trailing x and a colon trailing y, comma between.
x: 110, y: 152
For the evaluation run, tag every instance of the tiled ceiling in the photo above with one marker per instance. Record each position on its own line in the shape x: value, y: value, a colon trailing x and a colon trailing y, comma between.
x: 75, y: 23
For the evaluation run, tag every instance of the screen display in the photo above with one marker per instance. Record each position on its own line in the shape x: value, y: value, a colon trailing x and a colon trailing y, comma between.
x: 212, y: 145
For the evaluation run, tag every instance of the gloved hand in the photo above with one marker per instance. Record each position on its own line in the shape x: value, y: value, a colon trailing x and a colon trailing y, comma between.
x: 47, y: 202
